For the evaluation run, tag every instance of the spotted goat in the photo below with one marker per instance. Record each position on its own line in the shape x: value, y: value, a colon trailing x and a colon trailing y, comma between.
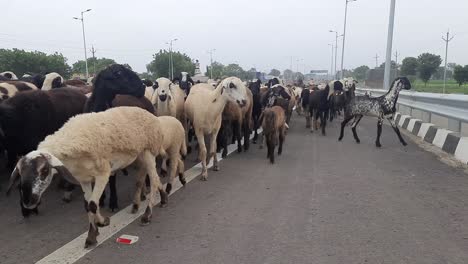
x: 380, y: 107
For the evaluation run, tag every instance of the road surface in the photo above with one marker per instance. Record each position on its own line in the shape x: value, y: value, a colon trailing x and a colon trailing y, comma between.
x: 324, y: 201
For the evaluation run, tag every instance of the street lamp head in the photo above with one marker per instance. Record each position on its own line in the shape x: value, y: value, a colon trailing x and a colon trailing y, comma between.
x: 331, y: 30
x: 76, y: 18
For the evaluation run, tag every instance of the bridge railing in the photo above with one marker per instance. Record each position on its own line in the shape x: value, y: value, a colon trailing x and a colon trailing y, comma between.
x: 445, y: 110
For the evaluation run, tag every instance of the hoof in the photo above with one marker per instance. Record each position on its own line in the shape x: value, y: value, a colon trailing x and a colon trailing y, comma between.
x: 113, y: 205
x: 134, y: 208
x: 215, y: 168
x: 239, y: 149
x: 358, y: 141
x: 105, y: 223
x: 378, y: 145
x: 204, y: 177
x: 254, y: 141
x: 66, y: 199
x: 168, y: 188
x: 404, y: 144
x: 90, y: 242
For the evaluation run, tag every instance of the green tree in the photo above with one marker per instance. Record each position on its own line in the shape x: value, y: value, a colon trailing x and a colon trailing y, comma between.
x: 392, y: 63
x: 409, y: 66
x: 460, y: 74
x: 360, y: 72
x: 427, y: 65
x: 275, y: 72
x: 288, y: 74
x: 95, y: 65
x: 218, y: 70
x: 159, y: 66
x: 234, y: 69
x: 21, y: 62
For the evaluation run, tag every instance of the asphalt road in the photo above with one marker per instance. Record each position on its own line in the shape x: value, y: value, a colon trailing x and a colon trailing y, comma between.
x: 324, y: 201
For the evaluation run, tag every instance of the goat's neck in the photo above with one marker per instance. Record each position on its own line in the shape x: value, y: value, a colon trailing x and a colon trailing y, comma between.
x: 392, y: 94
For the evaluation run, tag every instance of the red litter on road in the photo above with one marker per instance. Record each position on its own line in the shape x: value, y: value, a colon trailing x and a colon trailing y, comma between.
x: 127, y: 239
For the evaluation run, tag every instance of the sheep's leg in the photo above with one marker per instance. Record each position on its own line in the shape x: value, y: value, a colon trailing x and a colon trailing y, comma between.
x: 307, y: 117
x: 323, y: 121
x: 262, y: 137
x: 164, y: 167
x: 99, y: 186
x: 150, y: 166
x: 246, y: 135
x: 356, y: 121
x: 67, y: 194
x: 213, y: 149
x: 140, y: 183
x: 271, y: 149
x: 93, y: 229
x: 397, y: 130
x: 113, y: 204
x: 281, y: 140
x: 202, y: 153
x: 255, y: 121
x: 181, y: 171
x: 379, y: 132
x: 343, y: 124
x: 173, y: 163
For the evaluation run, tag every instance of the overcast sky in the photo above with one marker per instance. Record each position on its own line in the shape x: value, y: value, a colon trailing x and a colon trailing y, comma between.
x: 260, y: 33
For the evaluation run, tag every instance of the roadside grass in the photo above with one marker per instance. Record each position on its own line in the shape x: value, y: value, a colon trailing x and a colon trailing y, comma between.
x: 436, y: 86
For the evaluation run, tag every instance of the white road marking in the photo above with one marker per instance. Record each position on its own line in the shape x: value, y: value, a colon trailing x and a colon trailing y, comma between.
x: 74, y: 250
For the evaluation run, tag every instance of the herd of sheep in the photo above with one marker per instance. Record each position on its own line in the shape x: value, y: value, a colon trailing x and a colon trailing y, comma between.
x: 84, y: 132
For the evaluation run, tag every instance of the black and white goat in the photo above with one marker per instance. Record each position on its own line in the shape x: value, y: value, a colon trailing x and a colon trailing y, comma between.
x: 380, y: 107
x: 185, y: 82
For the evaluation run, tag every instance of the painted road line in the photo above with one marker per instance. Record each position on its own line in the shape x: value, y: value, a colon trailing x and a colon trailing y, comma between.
x: 74, y: 250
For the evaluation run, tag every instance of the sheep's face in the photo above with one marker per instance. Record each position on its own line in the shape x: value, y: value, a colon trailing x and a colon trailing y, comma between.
x: 350, y: 84
x: 164, y: 93
x: 35, y: 172
x: 234, y: 91
x: 184, y: 81
x: 121, y: 80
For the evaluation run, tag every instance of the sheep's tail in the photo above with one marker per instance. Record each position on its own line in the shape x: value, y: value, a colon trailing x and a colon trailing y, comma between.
x: 183, y: 149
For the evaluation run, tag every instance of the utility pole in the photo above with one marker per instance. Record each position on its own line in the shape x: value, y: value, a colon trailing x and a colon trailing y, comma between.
x: 376, y: 60
x: 388, y: 58
x: 396, y: 63
x: 93, y: 51
x: 171, y: 62
x: 447, y: 40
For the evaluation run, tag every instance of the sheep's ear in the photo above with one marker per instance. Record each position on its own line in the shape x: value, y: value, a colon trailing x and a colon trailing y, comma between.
x: 176, y: 80
x: 13, y: 179
x: 155, y: 85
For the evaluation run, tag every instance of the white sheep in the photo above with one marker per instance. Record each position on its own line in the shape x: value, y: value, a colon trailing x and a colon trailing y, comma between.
x: 168, y: 99
x: 10, y: 88
x: 52, y: 80
x: 9, y: 75
x: 204, y: 106
x: 175, y: 148
x: 88, y: 148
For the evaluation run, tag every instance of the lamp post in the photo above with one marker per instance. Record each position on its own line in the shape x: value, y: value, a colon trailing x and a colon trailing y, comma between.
x: 344, y: 36
x: 84, y: 40
x: 336, y: 46
x: 171, y: 62
x: 388, y: 59
x: 331, y: 65
x: 211, y: 62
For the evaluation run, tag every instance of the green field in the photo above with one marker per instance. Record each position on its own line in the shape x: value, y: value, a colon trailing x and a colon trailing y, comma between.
x: 436, y: 86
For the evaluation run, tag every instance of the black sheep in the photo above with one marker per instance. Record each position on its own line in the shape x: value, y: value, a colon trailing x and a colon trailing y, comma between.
x: 115, y: 79
x: 28, y: 117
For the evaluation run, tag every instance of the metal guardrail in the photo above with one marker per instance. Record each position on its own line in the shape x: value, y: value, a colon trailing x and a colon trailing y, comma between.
x: 454, y: 107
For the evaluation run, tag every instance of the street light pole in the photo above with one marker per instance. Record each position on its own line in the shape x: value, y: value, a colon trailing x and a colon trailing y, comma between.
x: 447, y: 40
x: 331, y: 64
x: 211, y: 62
x: 171, y: 61
x: 84, y: 40
x: 336, y: 47
x: 344, y: 37
x: 388, y: 59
